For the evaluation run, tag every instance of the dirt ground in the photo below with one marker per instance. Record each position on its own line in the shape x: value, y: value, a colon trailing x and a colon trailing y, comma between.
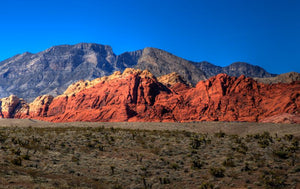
x: 35, y: 154
x: 240, y: 128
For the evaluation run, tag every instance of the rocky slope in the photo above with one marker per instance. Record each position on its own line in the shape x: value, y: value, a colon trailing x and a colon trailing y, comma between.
x: 236, y: 69
x: 160, y: 63
x: 136, y: 95
x: 282, y: 78
x: 51, y: 71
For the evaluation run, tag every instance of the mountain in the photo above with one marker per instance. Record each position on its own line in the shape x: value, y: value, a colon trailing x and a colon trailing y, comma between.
x: 51, y: 71
x: 282, y: 78
x: 236, y: 69
x: 160, y: 63
x: 136, y: 95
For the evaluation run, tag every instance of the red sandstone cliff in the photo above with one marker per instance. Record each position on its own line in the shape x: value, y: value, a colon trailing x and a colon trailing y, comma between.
x: 136, y: 95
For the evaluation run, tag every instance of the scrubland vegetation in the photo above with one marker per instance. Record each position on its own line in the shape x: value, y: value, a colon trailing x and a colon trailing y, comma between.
x: 101, y: 157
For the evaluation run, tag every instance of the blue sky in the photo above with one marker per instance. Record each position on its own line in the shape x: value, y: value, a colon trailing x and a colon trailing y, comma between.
x: 260, y: 32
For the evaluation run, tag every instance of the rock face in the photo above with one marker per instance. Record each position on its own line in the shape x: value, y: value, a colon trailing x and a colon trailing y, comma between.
x: 136, y: 95
x: 51, y: 71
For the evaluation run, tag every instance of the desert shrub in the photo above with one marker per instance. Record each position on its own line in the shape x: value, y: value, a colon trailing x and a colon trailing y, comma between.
x: 264, y: 135
x: 217, y: 171
x: 133, y: 134
x: 228, y: 162
x: 3, y: 138
x: 294, y: 146
x: 263, y: 143
x: 164, y: 180
x: 17, y: 161
x: 91, y: 145
x: 117, y: 186
x: 75, y: 159
x: 112, y: 168
x: 100, y: 147
x: 273, y: 179
x: 288, y: 137
x: 139, y: 157
x: 241, y: 148
x: 16, y: 152
x: 206, y: 185
x: 220, y: 134
x: 197, y: 164
x: 155, y: 150
x: 281, y: 153
x: 297, y: 169
x: 246, y: 167
x: 197, y: 140
x: 26, y: 156
x: 236, y: 139
x: 174, y: 166
x: 187, y: 133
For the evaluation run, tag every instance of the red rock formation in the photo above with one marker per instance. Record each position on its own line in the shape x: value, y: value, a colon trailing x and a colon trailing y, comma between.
x: 8, y: 106
x: 137, y: 95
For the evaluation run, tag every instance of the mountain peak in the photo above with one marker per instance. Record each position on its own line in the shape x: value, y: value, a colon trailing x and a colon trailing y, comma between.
x: 51, y: 71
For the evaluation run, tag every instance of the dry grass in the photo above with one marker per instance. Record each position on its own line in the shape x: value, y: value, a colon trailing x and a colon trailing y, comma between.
x: 148, y: 155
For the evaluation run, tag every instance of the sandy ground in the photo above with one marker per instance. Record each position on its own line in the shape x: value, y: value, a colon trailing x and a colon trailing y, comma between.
x: 240, y: 128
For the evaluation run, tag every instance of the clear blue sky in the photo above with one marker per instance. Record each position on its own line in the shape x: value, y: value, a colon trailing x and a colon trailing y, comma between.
x: 260, y: 32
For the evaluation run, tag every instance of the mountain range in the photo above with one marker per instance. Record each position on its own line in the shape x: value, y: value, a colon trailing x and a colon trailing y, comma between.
x: 137, y: 95
x: 51, y: 71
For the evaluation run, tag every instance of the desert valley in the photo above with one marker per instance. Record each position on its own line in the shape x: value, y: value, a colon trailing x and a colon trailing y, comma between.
x: 79, y: 116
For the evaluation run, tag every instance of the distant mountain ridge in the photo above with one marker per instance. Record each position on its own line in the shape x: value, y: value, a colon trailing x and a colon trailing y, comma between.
x: 282, y: 78
x: 51, y: 71
x: 235, y: 69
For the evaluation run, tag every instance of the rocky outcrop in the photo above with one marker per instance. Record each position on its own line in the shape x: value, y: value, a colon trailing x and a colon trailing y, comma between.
x: 12, y: 106
x: 52, y: 71
x: 137, y: 95
x: 8, y: 106
x: 39, y: 107
x: 171, y: 79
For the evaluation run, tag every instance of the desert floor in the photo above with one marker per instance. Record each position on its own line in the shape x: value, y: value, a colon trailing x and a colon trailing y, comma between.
x: 35, y: 154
